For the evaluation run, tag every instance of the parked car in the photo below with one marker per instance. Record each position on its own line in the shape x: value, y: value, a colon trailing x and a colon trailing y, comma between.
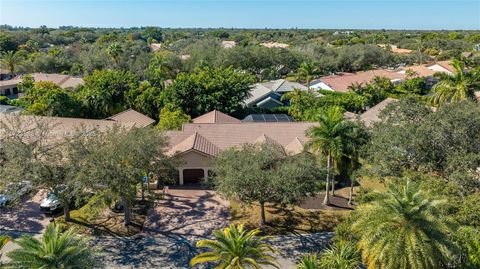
x: 14, y: 191
x: 50, y: 204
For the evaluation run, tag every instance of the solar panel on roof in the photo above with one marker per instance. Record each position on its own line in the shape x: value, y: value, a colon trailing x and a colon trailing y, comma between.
x: 268, y: 118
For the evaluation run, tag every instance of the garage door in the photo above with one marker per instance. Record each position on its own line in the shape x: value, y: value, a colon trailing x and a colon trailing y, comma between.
x: 192, y: 175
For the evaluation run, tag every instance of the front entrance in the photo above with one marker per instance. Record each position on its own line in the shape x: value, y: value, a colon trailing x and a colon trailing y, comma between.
x: 193, y: 175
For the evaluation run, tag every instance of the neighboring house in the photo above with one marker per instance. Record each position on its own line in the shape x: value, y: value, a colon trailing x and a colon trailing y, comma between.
x: 341, y: 82
x: 197, y: 144
x: 268, y: 118
x: 64, y: 127
x: 395, y: 49
x: 132, y: 117
x: 10, y: 87
x: 268, y: 94
x: 275, y: 45
x: 215, y: 117
x: 227, y: 44
x: 371, y: 116
x: 155, y: 46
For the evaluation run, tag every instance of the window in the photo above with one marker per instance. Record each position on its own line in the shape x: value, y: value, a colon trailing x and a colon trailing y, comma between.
x: 15, y: 90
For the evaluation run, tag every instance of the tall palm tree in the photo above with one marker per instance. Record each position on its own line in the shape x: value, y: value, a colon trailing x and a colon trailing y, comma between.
x: 11, y: 60
x: 404, y: 229
x: 310, y: 261
x: 342, y: 255
x: 456, y: 87
x: 56, y: 249
x: 115, y: 50
x: 236, y: 248
x: 328, y: 139
x: 307, y: 71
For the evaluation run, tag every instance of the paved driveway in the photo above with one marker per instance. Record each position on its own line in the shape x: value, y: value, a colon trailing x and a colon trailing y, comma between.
x: 26, y: 217
x: 186, y: 212
x: 171, y: 251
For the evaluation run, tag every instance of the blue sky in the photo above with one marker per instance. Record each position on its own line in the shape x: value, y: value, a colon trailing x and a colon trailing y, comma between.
x: 357, y: 14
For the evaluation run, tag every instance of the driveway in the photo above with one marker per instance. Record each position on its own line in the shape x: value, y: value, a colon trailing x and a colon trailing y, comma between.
x: 171, y: 251
x: 188, y: 212
x: 26, y: 217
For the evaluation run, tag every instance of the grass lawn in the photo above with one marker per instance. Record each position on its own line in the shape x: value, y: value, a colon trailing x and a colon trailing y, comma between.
x: 96, y: 219
x: 286, y: 220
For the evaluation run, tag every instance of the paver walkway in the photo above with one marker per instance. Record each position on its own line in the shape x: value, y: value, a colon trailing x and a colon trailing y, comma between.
x: 188, y: 212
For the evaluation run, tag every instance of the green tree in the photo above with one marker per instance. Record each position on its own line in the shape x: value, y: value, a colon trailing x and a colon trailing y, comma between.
x: 117, y: 159
x: 172, y: 119
x: 146, y: 99
x: 328, y: 139
x: 307, y: 71
x: 263, y: 173
x: 30, y: 151
x: 457, y: 87
x: 209, y: 89
x: 404, y: 229
x: 46, y: 98
x: 236, y: 248
x: 115, y: 50
x: 11, y: 60
x: 105, y: 92
x: 55, y: 249
x: 341, y: 255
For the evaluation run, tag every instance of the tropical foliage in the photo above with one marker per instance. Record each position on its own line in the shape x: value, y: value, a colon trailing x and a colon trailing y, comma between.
x: 55, y: 249
x: 236, y: 248
x: 404, y: 229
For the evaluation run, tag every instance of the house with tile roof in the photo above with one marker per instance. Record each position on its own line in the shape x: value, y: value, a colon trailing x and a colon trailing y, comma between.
x: 199, y: 142
x: 341, y: 82
x: 269, y: 94
x: 10, y: 87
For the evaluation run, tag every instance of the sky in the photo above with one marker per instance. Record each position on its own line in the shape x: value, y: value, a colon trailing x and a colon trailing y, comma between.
x: 319, y: 14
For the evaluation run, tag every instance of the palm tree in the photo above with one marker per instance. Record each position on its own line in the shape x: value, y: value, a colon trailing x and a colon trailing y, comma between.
x: 342, y: 255
x: 459, y: 86
x: 55, y: 249
x: 403, y: 229
x: 236, y: 248
x: 115, y: 50
x: 328, y: 138
x: 306, y: 71
x: 310, y: 261
x: 11, y: 60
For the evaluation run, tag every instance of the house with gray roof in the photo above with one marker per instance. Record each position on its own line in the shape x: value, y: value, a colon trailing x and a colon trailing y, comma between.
x: 269, y: 94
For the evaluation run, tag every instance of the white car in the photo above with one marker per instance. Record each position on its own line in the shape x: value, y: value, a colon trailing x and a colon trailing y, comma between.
x: 50, y: 203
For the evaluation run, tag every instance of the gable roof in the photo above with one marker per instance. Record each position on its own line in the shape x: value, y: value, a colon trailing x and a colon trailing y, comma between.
x: 64, y: 81
x: 371, y: 116
x: 227, y: 135
x: 195, y: 142
x: 133, y: 117
x: 342, y: 81
x: 279, y: 86
x: 215, y: 117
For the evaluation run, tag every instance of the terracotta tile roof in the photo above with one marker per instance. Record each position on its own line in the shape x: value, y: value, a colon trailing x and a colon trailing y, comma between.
x: 227, y: 135
x: 371, y: 116
x: 342, y: 82
x: 295, y: 147
x: 132, y: 117
x: 215, y: 117
x: 195, y: 142
x: 226, y: 44
x: 10, y: 83
x: 60, y: 127
x: 63, y: 81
